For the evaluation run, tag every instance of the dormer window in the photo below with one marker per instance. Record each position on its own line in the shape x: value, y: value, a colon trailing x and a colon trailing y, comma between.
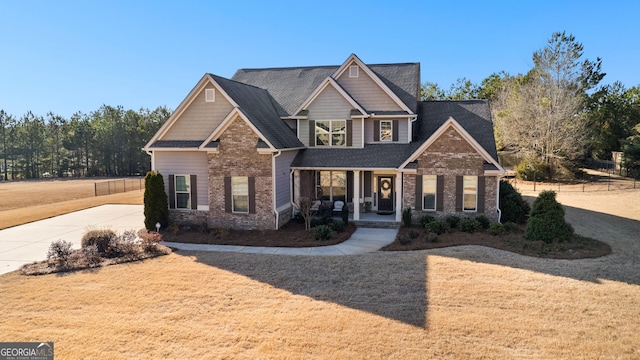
x: 210, y: 95
x: 354, y: 71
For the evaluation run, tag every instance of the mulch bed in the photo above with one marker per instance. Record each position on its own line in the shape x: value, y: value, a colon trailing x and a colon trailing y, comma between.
x: 292, y: 234
x: 579, y: 247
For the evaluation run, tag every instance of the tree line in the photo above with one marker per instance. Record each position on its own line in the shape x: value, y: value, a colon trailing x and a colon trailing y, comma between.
x: 105, y: 142
x: 557, y: 113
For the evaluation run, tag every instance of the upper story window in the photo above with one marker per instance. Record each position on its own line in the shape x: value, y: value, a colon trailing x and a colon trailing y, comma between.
x: 386, y: 130
x: 331, y: 132
x: 354, y: 71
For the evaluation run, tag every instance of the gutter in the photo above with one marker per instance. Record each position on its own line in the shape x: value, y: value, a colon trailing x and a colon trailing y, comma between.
x: 274, y: 182
x: 498, y: 198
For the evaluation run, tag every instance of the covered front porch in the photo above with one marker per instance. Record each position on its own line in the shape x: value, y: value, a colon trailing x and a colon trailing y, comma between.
x: 372, y: 195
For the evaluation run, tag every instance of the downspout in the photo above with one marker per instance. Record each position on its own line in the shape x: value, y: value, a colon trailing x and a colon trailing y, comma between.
x: 412, y: 119
x: 498, y: 198
x: 153, y: 162
x: 291, y: 181
x: 274, y: 194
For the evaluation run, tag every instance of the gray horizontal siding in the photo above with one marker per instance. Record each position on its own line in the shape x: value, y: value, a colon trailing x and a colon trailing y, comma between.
x: 200, y: 118
x: 283, y: 177
x: 403, y: 130
x: 185, y: 163
x: 329, y: 105
x: 366, y: 92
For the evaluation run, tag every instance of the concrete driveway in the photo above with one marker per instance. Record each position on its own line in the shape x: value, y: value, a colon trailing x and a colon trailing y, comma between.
x: 28, y: 243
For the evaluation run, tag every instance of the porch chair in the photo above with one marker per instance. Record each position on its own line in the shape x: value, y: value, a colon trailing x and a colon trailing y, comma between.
x: 338, y: 205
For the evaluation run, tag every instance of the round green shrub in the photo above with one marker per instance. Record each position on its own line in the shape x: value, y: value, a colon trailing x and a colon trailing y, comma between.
x: 513, y: 207
x: 452, y: 221
x: 436, y: 227
x: 338, y: 226
x: 322, y: 232
x: 496, y: 229
x: 547, y: 222
x: 156, y: 206
x: 484, y: 221
x: 531, y: 169
x: 469, y: 225
x: 425, y: 219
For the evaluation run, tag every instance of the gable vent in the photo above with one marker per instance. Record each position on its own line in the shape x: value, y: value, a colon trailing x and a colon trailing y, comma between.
x: 210, y: 95
x: 353, y: 71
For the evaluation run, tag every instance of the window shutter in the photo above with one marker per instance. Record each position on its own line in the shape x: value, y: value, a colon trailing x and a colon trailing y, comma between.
x: 481, y: 189
x: 419, y: 200
x: 459, y: 193
x: 440, y: 193
x: 172, y: 192
x: 395, y: 130
x: 312, y: 133
x: 194, y: 192
x: 227, y: 194
x: 349, y: 132
x: 349, y: 186
x: 252, y: 195
x: 376, y: 130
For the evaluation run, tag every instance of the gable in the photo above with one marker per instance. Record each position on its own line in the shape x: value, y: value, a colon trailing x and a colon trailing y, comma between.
x: 199, y: 118
x: 329, y: 104
x: 366, y: 91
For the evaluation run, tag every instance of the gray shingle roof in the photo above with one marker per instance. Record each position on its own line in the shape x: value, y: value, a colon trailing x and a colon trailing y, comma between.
x: 387, y: 156
x: 260, y: 109
x: 290, y: 87
x: 473, y: 115
x: 181, y: 144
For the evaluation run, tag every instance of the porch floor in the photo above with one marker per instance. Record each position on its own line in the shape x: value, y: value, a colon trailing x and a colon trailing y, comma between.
x: 373, y: 216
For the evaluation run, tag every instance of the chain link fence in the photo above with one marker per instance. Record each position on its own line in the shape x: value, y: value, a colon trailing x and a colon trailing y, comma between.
x: 592, y: 180
x: 118, y: 186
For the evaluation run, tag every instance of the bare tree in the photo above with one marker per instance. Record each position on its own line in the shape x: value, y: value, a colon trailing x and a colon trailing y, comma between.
x: 303, y: 206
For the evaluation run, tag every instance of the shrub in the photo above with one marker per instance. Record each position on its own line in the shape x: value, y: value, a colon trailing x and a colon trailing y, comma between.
x: 317, y: 221
x: 345, y: 214
x: 404, y: 240
x: 431, y: 237
x: 547, y: 220
x: 59, y: 252
x: 511, y: 227
x: 91, y: 256
x: 123, y: 245
x: 496, y: 229
x: 469, y: 225
x: 452, y: 221
x: 406, y: 217
x: 436, y: 227
x: 425, y: 219
x: 150, y: 239
x: 530, y: 169
x: 413, y: 234
x: 99, y: 238
x: 156, y: 206
x: 484, y: 221
x: 338, y: 226
x: 512, y: 205
x: 322, y: 232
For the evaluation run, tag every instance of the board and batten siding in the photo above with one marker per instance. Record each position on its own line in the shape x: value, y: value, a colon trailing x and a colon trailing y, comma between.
x: 200, y: 118
x: 403, y: 130
x: 185, y: 163
x: 366, y: 92
x: 283, y: 177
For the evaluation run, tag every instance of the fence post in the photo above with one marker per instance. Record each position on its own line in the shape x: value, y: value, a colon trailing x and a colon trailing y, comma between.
x: 609, y: 181
x: 95, y: 189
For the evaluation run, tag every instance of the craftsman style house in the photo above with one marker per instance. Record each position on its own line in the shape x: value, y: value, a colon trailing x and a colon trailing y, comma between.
x: 240, y: 152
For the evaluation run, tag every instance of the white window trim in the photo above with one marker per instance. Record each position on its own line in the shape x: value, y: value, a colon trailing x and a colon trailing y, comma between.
x: 354, y: 71
x: 464, y: 193
x: 435, y: 193
x: 233, y: 201
x: 315, y: 138
x: 390, y: 122
x: 176, y: 191
x: 210, y: 95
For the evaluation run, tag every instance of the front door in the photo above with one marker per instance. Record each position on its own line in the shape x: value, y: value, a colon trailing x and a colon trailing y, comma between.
x: 385, y: 193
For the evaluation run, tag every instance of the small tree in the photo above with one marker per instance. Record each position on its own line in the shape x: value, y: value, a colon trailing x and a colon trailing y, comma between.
x: 303, y: 206
x: 514, y: 208
x: 547, y: 222
x: 156, y: 206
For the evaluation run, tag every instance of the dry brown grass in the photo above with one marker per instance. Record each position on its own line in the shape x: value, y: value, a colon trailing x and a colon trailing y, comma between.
x: 460, y: 302
x: 22, y: 202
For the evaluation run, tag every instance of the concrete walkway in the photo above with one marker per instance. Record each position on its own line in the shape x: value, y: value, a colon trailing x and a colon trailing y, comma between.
x: 362, y: 241
x: 27, y: 243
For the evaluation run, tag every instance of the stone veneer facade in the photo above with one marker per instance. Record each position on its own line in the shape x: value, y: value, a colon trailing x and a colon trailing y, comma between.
x: 451, y: 155
x: 238, y: 156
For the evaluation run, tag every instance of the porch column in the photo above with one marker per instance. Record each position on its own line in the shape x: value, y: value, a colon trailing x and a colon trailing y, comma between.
x: 356, y: 195
x: 398, y: 196
x: 296, y: 186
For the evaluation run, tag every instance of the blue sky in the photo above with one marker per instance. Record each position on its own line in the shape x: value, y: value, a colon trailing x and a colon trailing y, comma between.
x: 68, y: 56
